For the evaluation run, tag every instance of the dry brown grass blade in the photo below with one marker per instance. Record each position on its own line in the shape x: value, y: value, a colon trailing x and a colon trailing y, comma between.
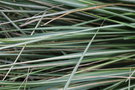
x: 77, y: 10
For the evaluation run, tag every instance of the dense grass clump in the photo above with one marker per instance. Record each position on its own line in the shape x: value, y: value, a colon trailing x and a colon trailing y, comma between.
x: 67, y: 44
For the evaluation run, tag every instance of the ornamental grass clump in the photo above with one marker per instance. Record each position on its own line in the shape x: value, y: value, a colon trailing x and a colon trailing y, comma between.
x: 67, y: 45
